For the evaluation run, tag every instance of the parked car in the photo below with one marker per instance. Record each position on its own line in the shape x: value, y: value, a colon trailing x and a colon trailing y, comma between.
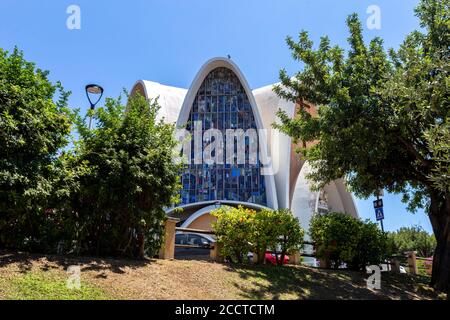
x: 386, y: 267
x: 202, y: 244
x: 270, y: 258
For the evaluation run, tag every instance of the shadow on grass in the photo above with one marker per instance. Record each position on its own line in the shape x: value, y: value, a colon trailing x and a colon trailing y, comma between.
x: 25, y: 262
x: 291, y: 282
x: 249, y: 281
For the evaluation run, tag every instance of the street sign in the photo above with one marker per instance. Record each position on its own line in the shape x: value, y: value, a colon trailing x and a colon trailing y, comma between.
x: 379, y: 213
x: 378, y: 203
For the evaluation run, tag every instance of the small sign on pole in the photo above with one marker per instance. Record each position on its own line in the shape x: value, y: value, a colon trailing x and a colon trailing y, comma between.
x: 379, y: 213
x: 378, y: 203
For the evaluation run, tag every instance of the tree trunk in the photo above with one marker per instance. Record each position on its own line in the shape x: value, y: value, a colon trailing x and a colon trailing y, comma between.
x: 277, y: 260
x: 261, y: 256
x: 141, y: 246
x: 238, y: 256
x: 282, y: 256
x: 440, y: 220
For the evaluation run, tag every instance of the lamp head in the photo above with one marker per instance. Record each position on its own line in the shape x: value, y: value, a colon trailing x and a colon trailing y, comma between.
x: 94, y: 89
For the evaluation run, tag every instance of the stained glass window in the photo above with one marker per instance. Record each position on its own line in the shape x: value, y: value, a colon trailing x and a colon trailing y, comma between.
x: 221, y: 103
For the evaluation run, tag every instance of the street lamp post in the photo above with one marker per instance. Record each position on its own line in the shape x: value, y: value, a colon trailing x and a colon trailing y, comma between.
x: 94, y: 90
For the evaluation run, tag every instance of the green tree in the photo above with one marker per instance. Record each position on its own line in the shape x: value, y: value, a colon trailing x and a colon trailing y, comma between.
x: 372, y: 246
x: 383, y: 119
x: 233, y: 229
x: 289, y: 234
x: 334, y: 238
x: 241, y: 230
x: 130, y: 177
x: 34, y: 125
x: 341, y: 238
x: 413, y: 239
x: 265, y: 232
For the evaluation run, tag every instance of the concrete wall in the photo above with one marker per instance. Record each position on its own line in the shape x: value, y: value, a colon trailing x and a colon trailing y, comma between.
x: 203, y: 222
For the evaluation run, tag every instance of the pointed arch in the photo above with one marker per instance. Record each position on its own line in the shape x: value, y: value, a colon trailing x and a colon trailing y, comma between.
x: 183, y: 118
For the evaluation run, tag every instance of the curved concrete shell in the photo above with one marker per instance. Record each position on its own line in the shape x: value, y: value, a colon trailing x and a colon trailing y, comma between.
x: 286, y: 184
x: 169, y: 98
x: 280, y: 145
x: 334, y: 198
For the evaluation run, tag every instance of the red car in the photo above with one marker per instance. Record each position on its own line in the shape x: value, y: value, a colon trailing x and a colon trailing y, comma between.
x: 270, y: 257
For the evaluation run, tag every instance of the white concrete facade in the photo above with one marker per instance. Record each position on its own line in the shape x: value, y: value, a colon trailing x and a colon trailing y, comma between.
x: 287, y: 187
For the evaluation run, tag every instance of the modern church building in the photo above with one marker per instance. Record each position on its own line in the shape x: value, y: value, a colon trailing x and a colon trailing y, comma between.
x: 234, y: 156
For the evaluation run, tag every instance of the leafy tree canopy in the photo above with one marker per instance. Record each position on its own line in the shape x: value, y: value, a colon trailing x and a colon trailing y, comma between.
x: 35, y: 124
x: 129, y: 178
x: 413, y: 239
x: 383, y: 117
x: 341, y: 238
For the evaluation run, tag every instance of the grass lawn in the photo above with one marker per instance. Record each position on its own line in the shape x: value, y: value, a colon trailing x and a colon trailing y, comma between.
x: 30, y: 276
x: 46, y: 286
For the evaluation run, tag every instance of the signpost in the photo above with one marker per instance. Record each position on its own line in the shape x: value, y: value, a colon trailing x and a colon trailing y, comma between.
x: 379, y: 212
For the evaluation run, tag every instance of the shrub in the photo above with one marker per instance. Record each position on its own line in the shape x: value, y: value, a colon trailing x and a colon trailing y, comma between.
x: 264, y: 233
x: 342, y: 239
x: 372, y: 248
x: 289, y: 234
x: 241, y: 230
x: 233, y: 229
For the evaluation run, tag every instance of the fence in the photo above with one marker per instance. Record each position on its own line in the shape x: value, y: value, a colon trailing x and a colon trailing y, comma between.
x: 415, y: 265
x: 167, y: 250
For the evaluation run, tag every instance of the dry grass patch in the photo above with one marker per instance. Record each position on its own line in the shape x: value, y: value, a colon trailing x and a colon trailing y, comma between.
x: 186, y: 279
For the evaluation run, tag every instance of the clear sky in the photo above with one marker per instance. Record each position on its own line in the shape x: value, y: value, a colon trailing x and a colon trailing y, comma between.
x: 167, y: 41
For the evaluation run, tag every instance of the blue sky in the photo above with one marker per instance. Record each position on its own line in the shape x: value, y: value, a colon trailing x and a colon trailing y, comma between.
x: 168, y: 40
